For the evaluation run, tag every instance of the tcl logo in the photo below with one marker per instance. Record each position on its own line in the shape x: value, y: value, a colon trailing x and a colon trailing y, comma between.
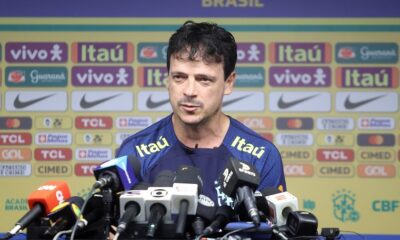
x: 82, y: 169
x: 298, y: 170
x: 48, y: 154
x: 15, y: 154
x: 93, y: 122
x: 342, y: 155
x: 15, y: 138
x: 384, y: 171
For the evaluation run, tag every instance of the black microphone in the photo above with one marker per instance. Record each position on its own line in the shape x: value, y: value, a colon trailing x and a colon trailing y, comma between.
x: 64, y: 215
x: 223, y: 216
x: 262, y: 202
x: 241, y: 179
x: 93, y: 212
x: 131, y: 208
x: 158, y: 205
x: 187, y: 186
x: 205, y: 213
x: 119, y: 174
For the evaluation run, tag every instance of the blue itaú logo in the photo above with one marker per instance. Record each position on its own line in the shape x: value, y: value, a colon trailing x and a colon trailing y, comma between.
x: 344, y: 206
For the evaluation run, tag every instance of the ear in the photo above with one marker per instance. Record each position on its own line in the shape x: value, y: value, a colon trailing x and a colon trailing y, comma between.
x: 229, y: 83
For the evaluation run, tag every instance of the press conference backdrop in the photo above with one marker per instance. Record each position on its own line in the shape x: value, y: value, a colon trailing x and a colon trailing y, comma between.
x: 77, y: 79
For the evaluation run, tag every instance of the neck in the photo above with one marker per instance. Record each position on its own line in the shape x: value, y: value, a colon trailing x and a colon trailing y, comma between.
x: 208, y: 134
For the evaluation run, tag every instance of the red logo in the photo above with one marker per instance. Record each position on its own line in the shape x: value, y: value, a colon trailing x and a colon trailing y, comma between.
x: 148, y: 52
x: 346, y: 53
x: 15, y: 138
x: 50, y: 154
x: 82, y: 169
x: 16, y: 76
x: 93, y: 122
x: 341, y: 155
x: 267, y: 136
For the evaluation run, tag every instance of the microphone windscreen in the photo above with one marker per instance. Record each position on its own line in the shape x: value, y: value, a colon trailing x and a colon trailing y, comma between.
x: 141, y: 186
x: 49, y: 195
x: 206, y: 208
x: 164, y: 178
x: 189, y: 174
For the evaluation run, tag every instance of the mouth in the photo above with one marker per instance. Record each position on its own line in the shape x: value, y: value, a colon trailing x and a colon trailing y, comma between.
x: 189, y: 107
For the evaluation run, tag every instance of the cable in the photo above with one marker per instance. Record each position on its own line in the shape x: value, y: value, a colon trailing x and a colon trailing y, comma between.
x: 80, y: 214
x: 238, y: 230
x: 306, y: 237
x: 61, y: 233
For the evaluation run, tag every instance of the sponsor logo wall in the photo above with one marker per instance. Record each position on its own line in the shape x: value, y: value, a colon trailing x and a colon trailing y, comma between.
x: 331, y: 106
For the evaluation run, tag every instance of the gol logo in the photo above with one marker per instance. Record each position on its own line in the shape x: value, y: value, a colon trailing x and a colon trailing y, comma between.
x: 377, y: 171
x: 15, y: 154
x: 298, y: 170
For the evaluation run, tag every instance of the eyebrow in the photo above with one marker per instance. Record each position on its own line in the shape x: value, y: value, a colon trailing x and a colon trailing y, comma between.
x: 196, y: 75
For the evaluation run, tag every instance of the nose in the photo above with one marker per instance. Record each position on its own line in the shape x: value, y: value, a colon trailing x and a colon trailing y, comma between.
x: 190, y: 89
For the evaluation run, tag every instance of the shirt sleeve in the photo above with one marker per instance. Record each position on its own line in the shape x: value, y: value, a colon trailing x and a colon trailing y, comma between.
x: 272, y: 174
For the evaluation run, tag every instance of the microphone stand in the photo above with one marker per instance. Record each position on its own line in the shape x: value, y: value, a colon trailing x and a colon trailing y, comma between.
x: 108, y: 211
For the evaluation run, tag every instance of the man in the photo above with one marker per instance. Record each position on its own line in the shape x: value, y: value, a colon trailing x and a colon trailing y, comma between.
x: 201, y: 60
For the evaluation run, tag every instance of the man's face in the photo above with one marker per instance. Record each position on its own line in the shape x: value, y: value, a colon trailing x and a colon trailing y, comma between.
x: 196, y: 89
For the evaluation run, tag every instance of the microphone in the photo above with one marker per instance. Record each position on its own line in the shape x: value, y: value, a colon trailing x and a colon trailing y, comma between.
x: 120, y: 174
x: 158, y: 202
x: 280, y: 205
x: 41, y: 202
x: 223, y: 216
x: 93, y: 211
x: 64, y: 215
x: 186, y: 188
x: 205, y: 213
x: 242, y: 179
x: 132, y: 206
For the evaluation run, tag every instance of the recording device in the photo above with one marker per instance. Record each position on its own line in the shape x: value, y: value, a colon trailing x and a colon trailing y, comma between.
x: 64, y: 215
x: 119, y: 174
x: 302, y: 223
x: 223, y: 216
x: 280, y: 205
x: 241, y: 179
x: 41, y: 202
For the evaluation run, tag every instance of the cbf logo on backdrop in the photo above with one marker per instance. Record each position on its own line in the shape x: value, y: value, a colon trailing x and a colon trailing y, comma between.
x: 344, y: 202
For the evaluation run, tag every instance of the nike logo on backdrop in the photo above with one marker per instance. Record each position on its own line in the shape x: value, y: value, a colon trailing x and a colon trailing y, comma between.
x: 229, y: 102
x: 351, y: 105
x: 23, y: 104
x: 89, y: 104
x: 285, y: 104
x: 155, y: 104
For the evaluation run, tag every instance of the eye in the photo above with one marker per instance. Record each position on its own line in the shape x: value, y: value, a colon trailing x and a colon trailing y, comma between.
x: 178, y: 77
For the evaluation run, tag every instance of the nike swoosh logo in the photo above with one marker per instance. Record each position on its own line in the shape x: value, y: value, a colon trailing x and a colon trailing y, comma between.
x: 352, y: 105
x: 86, y: 104
x: 20, y: 104
x: 229, y: 102
x: 284, y: 105
x: 152, y: 104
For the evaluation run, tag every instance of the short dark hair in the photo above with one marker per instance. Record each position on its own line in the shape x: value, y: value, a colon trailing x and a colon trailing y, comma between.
x: 208, y: 41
